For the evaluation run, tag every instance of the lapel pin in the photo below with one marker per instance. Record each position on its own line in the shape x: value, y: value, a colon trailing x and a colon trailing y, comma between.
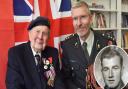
x: 76, y: 44
x: 98, y: 46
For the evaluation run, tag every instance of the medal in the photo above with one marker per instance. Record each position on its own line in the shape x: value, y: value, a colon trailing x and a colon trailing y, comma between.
x: 45, y: 67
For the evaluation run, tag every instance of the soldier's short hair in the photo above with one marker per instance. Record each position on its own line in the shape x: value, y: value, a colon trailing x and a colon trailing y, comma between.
x: 110, y: 52
x: 78, y: 4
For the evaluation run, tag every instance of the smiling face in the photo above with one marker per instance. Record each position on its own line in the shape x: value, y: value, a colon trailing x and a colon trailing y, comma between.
x: 38, y: 37
x: 81, y: 20
x: 111, y: 70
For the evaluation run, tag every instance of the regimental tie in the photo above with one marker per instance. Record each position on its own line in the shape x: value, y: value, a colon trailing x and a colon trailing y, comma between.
x: 88, y: 77
x: 84, y: 46
x: 39, y: 62
x: 40, y: 69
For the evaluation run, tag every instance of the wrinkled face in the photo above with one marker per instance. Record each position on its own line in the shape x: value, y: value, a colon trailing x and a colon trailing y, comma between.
x: 81, y: 20
x: 111, y: 69
x: 38, y: 37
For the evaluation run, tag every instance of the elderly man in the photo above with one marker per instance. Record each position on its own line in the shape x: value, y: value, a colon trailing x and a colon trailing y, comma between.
x: 34, y: 65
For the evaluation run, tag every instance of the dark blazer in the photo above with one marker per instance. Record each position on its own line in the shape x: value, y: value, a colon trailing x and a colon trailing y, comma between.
x: 22, y: 72
x: 74, y: 62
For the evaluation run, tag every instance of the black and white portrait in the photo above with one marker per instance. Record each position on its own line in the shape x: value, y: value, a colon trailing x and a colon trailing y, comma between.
x: 110, y: 68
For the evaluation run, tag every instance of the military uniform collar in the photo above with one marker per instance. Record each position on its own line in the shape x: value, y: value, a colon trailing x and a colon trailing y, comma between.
x: 89, y: 41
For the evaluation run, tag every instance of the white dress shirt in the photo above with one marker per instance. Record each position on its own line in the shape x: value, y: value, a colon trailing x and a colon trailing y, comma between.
x: 89, y: 42
x: 34, y: 53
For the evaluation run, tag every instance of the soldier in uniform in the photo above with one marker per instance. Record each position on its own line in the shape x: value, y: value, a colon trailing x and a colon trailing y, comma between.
x: 80, y: 49
x: 112, y: 67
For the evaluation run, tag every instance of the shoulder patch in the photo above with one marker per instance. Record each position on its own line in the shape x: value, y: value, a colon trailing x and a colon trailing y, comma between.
x: 72, y: 35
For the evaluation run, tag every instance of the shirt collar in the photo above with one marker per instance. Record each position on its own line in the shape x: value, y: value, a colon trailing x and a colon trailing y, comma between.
x: 89, y: 40
x: 34, y: 52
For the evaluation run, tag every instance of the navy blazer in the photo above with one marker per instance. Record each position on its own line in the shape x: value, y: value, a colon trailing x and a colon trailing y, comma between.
x: 22, y: 72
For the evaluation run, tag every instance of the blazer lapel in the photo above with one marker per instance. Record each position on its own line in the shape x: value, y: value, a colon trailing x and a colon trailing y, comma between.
x: 32, y: 67
x: 45, y: 53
